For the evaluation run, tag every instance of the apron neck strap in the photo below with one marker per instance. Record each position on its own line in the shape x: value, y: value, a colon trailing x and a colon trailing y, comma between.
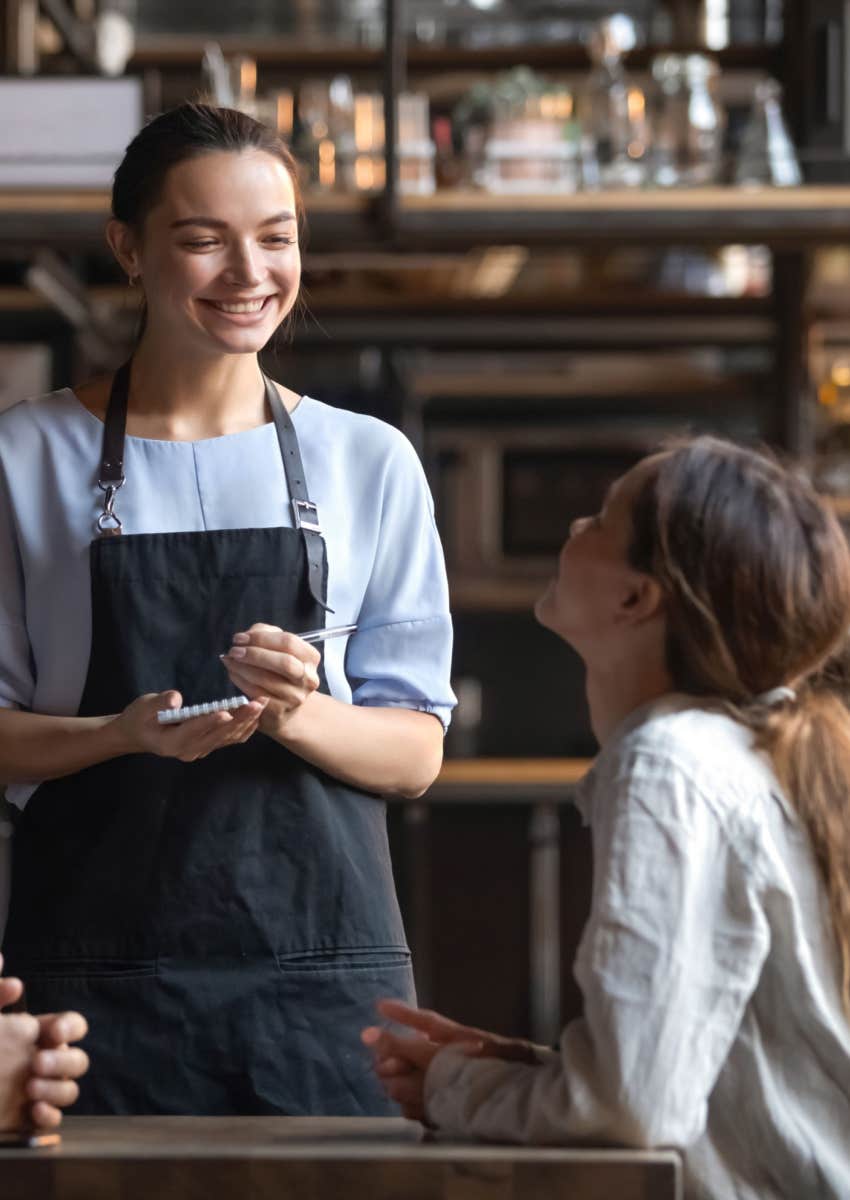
x: 111, y: 475
x: 305, y: 514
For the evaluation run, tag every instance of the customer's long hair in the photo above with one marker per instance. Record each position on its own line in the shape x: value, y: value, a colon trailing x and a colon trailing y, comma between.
x: 755, y: 572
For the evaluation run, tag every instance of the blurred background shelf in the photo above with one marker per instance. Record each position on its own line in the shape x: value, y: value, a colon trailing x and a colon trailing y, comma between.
x: 785, y: 218
x: 332, y: 54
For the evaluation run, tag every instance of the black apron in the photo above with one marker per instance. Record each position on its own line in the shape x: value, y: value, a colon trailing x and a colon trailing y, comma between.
x: 225, y: 925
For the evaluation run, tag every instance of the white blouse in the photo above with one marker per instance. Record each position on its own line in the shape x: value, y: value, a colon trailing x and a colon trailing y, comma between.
x: 385, y: 564
x: 712, y: 1011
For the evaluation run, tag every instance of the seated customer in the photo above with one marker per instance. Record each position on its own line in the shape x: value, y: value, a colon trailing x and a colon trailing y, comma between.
x: 705, y: 599
x: 37, y: 1066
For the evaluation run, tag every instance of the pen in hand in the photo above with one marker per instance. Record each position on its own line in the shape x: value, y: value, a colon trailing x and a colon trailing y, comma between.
x: 321, y: 635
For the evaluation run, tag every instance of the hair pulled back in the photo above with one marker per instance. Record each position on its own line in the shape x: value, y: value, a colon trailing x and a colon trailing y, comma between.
x: 755, y: 572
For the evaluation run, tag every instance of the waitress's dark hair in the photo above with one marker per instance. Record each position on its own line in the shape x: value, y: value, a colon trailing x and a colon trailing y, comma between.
x: 181, y: 133
x: 755, y: 574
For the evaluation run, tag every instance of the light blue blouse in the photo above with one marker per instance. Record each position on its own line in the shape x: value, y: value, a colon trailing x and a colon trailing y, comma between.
x: 385, y: 563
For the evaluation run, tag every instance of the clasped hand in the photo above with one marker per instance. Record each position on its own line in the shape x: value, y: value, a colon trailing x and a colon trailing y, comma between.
x: 402, y: 1062
x: 38, y: 1067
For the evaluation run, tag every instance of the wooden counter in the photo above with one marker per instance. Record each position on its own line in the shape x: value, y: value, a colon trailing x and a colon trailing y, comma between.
x: 292, y: 1158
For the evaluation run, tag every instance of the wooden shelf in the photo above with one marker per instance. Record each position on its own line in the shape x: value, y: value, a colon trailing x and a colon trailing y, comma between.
x: 791, y: 217
x: 77, y: 217
x: 780, y: 217
x: 301, y: 54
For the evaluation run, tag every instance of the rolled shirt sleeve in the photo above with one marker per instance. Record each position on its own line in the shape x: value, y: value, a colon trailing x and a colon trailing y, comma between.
x: 401, y: 654
x: 669, y: 958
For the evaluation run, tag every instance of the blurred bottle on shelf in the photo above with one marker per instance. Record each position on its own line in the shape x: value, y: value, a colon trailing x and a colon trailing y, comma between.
x: 230, y: 82
x: 414, y: 147
x: 670, y: 120
x: 705, y: 124
x: 612, y: 110
x: 766, y: 155
x: 689, y: 122
x: 416, y: 150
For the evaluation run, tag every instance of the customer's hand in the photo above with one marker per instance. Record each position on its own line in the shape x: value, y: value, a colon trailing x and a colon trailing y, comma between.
x: 141, y: 732
x: 19, y: 1034
x: 267, y: 661
x: 402, y: 1062
x: 55, y: 1067
x: 37, y: 1065
x: 476, y: 1042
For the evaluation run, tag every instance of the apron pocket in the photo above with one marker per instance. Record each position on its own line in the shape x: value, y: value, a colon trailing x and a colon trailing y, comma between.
x: 346, y: 960
x: 324, y: 999
x: 43, y: 969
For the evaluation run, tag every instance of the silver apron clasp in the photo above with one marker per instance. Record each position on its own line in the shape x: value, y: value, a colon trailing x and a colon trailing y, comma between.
x: 109, y: 523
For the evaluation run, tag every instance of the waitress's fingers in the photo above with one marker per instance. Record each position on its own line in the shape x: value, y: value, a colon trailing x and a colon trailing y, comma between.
x: 270, y: 637
x: 275, y: 664
x: 245, y: 721
x: 291, y: 694
x: 186, y: 740
x: 203, y: 741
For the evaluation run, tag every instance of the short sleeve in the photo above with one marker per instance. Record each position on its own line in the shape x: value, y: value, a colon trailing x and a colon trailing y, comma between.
x: 401, y: 654
x: 17, y: 677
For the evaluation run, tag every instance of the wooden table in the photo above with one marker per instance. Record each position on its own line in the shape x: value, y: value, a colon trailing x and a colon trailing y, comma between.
x: 310, y: 1158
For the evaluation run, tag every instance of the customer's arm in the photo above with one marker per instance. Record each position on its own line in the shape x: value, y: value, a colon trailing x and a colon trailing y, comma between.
x: 669, y: 958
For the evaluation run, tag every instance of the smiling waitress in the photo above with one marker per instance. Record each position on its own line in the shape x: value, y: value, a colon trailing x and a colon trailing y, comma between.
x: 216, y: 896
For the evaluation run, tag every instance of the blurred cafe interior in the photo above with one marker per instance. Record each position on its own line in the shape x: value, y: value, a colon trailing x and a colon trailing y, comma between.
x: 541, y: 236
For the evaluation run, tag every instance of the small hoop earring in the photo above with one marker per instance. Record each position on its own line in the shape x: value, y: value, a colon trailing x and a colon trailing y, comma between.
x: 132, y: 280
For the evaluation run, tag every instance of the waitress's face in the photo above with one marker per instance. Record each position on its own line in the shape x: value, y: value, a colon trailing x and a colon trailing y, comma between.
x: 591, y: 593
x: 219, y: 257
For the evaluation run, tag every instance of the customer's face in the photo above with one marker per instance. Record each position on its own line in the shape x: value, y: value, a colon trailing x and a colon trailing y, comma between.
x: 219, y: 257
x: 590, y: 596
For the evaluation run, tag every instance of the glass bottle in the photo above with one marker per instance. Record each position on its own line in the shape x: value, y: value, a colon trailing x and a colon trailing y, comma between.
x: 706, y: 122
x: 671, y: 117
x: 607, y: 108
x: 766, y: 155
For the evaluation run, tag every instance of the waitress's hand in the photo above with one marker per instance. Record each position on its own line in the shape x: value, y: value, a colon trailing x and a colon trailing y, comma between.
x: 189, y: 740
x: 267, y: 661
